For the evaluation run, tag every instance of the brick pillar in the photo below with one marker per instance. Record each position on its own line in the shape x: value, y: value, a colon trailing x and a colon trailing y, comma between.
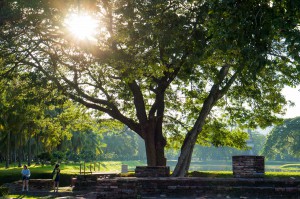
x: 248, y: 166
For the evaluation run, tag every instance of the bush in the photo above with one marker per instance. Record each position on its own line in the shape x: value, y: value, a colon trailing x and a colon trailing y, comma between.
x: 44, y: 157
x: 72, y: 156
x: 87, y: 155
x: 59, y: 156
x: 53, y: 162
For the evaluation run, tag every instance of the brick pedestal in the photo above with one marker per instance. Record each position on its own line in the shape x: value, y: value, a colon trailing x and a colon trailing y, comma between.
x: 248, y: 166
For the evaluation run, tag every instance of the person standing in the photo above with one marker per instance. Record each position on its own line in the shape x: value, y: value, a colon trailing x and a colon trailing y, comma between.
x: 25, y: 177
x: 56, y: 174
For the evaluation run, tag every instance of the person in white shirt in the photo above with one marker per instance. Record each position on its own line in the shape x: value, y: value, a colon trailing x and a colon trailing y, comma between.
x: 25, y: 177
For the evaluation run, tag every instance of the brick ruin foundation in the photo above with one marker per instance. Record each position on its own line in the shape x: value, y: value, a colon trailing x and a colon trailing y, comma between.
x: 154, y: 182
x: 191, y: 187
x: 248, y: 166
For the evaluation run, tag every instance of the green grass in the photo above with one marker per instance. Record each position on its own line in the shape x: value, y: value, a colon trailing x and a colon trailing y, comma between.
x: 229, y: 174
x: 115, y: 166
x: 290, y: 167
x: 22, y: 196
x: 222, y: 165
x: 13, y: 173
x: 220, y: 174
x: 202, y: 168
x: 295, y: 175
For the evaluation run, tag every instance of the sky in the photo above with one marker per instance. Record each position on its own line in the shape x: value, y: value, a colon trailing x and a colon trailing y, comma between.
x: 292, y: 94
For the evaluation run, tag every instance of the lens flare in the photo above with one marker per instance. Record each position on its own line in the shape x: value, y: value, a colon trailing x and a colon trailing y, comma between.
x: 82, y: 26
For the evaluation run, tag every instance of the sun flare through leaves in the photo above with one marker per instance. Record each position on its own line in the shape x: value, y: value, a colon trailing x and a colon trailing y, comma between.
x: 82, y: 26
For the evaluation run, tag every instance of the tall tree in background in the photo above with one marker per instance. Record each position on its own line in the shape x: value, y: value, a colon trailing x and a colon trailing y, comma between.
x: 16, y: 113
x: 34, y: 115
x: 122, y: 145
x: 209, y: 152
x: 195, y: 71
x: 284, y: 140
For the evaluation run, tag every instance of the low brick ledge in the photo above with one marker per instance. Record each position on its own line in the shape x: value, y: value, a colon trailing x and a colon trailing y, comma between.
x: 132, y: 187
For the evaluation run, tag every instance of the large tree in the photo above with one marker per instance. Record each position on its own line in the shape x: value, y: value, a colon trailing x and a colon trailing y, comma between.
x: 188, y: 70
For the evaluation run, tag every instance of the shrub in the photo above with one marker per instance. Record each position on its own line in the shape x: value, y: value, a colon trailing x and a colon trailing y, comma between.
x: 59, y: 156
x: 44, y: 157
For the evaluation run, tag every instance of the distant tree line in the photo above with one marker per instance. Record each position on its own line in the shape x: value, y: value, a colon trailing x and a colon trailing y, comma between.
x: 37, y: 121
x: 283, y: 142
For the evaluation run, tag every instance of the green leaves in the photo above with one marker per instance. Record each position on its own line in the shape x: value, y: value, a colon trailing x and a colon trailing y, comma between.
x: 216, y: 133
x: 209, y: 65
x: 284, y: 140
x: 35, y: 114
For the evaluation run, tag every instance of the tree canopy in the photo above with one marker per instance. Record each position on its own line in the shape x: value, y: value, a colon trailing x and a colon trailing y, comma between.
x: 35, y: 117
x: 284, y: 140
x: 190, y: 71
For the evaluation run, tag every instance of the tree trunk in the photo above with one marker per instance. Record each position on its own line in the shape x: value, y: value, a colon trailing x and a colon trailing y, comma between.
x: 7, y: 150
x: 215, y: 94
x: 37, y: 147
x: 155, y: 144
x: 29, y: 152
x: 19, y: 157
x: 15, y: 150
x: 185, y: 157
x: 187, y: 148
x: 20, y: 151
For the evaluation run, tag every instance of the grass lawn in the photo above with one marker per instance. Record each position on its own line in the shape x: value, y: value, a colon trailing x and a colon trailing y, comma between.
x: 290, y: 167
x: 222, y: 165
x: 13, y: 173
x: 69, y: 170
x: 21, y: 196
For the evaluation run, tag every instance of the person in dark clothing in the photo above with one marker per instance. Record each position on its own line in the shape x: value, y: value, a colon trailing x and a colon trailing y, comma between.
x: 56, y: 175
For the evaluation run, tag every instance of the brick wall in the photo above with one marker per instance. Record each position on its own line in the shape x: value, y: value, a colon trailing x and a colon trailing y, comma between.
x: 192, y: 187
x: 146, y: 171
x: 248, y: 166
